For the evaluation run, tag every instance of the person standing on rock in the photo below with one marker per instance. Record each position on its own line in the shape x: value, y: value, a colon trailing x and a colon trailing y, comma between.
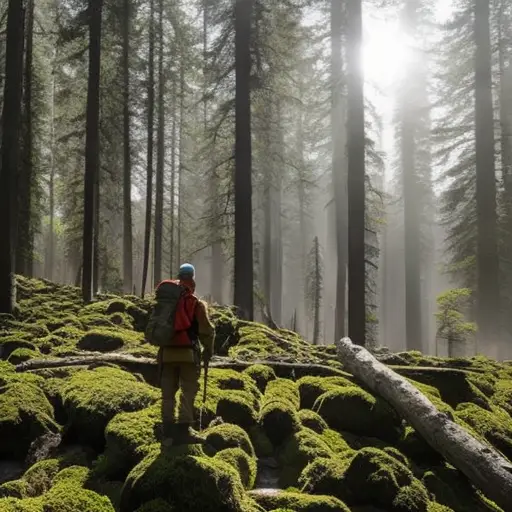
x: 179, y: 312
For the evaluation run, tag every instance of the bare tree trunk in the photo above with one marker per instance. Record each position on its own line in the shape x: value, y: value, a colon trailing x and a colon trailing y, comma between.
x: 96, y: 237
x: 92, y: 145
x: 181, y: 165
x: 488, y: 301
x: 25, y: 245
x: 149, y: 178
x: 486, y: 469
x: 244, y: 299
x: 339, y: 164
x: 127, y: 164
x: 356, y: 176
x: 159, y: 203
x: 173, y: 177
x: 11, y: 116
x: 49, y: 260
x: 318, y: 291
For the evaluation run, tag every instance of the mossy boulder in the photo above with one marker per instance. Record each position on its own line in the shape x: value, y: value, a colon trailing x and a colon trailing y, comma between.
x: 449, y: 487
x: 310, y: 388
x: 158, y: 505
x: 104, y: 340
x: 238, y: 410
x: 226, y: 435
x: 25, y: 414
x: 93, y: 397
x: 495, y: 426
x: 311, y: 419
x: 261, y: 374
x: 186, y: 479
x: 128, y: 438
x: 300, y: 502
x: 414, y: 446
x: 244, y: 464
x: 352, y: 409
x: 376, y: 478
x: 280, y: 406
x: 503, y: 395
x: 20, y: 355
x: 68, y: 496
x: 10, y: 343
x: 21, y: 505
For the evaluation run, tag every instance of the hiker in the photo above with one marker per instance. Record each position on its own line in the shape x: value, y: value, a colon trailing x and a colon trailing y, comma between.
x: 179, y: 359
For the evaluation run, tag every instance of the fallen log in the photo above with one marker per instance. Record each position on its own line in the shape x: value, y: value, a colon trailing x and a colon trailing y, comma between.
x: 485, y: 468
x: 147, y: 367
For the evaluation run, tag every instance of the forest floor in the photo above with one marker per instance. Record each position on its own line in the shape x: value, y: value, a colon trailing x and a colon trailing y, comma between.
x: 286, y: 428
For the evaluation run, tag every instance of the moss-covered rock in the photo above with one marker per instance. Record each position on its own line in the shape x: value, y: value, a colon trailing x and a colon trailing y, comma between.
x: 93, y: 397
x: 414, y: 446
x: 238, y: 410
x: 495, y: 425
x: 226, y: 435
x: 355, y: 410
x: 25, y: 414
x: 158, y: 505
x: 186, y: 479
x: 261, y: 374
x: 244, y: 464
x: 103, y: 340
x: 311, y: 419
x: 67, y: 496
x: 376, y: 478
x: 280, y: 405
x: 21, y: 505
x: 128, y: 438
x: 20, y: 355
x: 503, y: 395
x: 300, y: 502
x: 451, y: 488
x: 13, y: 342
x: 310, y: 388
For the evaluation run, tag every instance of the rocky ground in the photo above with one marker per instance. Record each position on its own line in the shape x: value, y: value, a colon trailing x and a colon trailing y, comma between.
x: 79, y: 416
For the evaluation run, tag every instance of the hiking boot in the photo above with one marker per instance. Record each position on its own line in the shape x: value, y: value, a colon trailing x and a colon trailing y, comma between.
x: 169, y: 434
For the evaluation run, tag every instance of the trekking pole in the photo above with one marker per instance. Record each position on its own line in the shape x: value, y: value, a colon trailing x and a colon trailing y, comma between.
x: 205, y: 386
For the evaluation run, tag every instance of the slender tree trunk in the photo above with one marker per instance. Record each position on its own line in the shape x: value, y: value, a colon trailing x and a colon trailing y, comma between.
x: 24, y: 250
x: 181, y: 165
x: 339, y: 164
x: 356, y: 176
x: 11, y: 116
x: 318, y: 291
x: 159, y: 203
x: 127, y: 164
x: 488, y: 302
x: 172, y: 252
x: 244, y: 299
x: 49, y: 262
x: 149, y: 178
x: 412, y: 200
x: 96, y: 236
x: 92, y: 145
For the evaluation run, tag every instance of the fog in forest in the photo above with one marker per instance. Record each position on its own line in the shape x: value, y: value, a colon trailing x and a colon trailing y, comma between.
x: 137, y: 153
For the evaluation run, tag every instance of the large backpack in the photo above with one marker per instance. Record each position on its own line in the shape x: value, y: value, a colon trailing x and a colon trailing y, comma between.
x: 172, y: 316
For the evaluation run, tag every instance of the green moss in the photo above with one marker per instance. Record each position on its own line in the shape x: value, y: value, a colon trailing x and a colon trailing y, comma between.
x: 77, y: 475
x: 262, y: 445
x: 261, y: 374
x: 65, y: 321
x: 310, y: 388
x: 312, y: 420
x: 93, y: 397
x: 495, y: 426
x: 40, y: 477
x: 20, y: 355
x: 227, y: 435
x: 414, y: 446
x: 451, y: 488
x: 25, y: 414
x: 280, y: 405
x: 92, y: 320
x: 373, y: 477
x: 67, y: 496
x: 12, y: 343
x: 186, y: 479
x: 503, y: 395
x: 353, y: 409
x: 21, y: 505
x: 128, y: 437
x: 238, y: 410
x: 300, y: 502
x: 244, y: 465
x: 299, y: 450
x: 158, y: 505
x: 14, y: 489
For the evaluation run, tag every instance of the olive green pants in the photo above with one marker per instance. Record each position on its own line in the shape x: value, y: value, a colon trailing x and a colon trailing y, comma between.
x: 175, y: 376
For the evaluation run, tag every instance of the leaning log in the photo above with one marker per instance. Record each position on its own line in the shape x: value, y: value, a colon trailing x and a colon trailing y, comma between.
x: 485, y: 467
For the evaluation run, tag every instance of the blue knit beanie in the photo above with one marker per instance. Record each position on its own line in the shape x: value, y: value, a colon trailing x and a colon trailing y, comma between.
x: 187, y: 271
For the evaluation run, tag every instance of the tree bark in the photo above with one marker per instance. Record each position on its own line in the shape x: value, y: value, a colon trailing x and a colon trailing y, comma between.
x: 149, y: 177
x: 318, y: 294
x: 11, y: 116
x: 356, y: 176
x: 488, y: 302
x: 25, y: 249
x: 488, y: 471
x: 159, y: 192
x: 181, y: 165
x: 172, y: 252
x: 127, y: 164
x: 244, y: 299
x: 412, y: 199
x: 339, y: 176
x: 92, y: 146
